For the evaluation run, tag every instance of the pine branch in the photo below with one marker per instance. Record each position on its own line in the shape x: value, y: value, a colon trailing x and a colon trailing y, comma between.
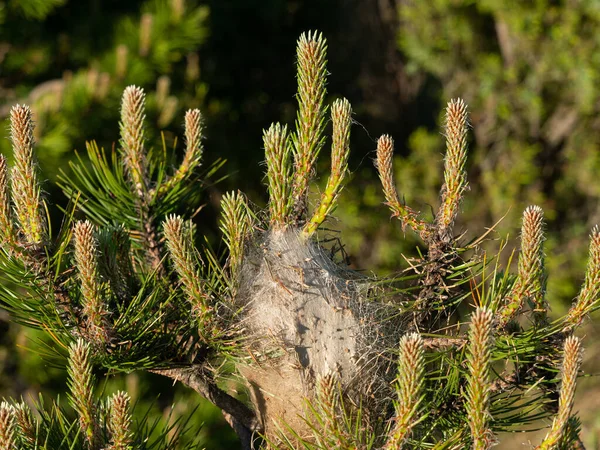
x: 310, y: 121
x: 409, y: 381
x: 341, y: 117
x: 25, y: 185
x: 455, y: 176
x: 570, y: 368
x: 590, y: 292
x: 277, y: 155
x: 530, y: 283
x: 478, y: 383
x: 384, y: 164
x: 234, y: 411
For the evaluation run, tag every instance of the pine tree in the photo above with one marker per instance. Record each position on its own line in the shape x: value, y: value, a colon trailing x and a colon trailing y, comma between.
x: 447, y: 354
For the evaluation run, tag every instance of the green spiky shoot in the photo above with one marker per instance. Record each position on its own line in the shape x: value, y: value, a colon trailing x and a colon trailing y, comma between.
x: 8, y: 427
x: 570, y: 368
x: 133, y: 115
x: 234, y: 225
x: 334, y: 421
x: 455, y: 176
x: 341, y: 118
x: 590, y: 291
x: 119, y: 422
x: 277, y: 155
x: 193, y: 143
x: 132, y: 138
x: 7, y: 232
x: 334, y: 434
x: 193, y: 150
x: 27, y: 427
x: 86, y: 261
x: 310, y: 122
x: 180, y: 245
x: 477, y: 392
x: 384, y: 164
x: 409, y: 381
x: 25, y: 185
x: 81, y: 386
x: 531, y: 277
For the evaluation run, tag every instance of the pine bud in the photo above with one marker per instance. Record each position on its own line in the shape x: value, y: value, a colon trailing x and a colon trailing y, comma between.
x: 341, y: 117
x: 328, y: 397
x: 590, y: 291
x: 408, y: 384
x: 384, y: 165
x: 25, y: 186
x: 530, y: 283
x: 81, y: 386
x: 86, y: 261
x: 455, y: 176
x: 182, y: 252
x: 570, y: 368
x: 119, y: 422
x: 234, y: 224
x: 308, y: 140
x: 26, y: 424
x: 193, y: 138
x: 478, y: 384
x: 277, y: 155
x: 132, y: 137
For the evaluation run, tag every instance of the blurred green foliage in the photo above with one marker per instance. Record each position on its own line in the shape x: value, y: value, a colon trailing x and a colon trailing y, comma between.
x: 70, y: 61
x: 529, y: 72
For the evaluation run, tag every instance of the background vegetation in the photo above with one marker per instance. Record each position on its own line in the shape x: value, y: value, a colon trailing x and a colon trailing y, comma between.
x: 528, y: 70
